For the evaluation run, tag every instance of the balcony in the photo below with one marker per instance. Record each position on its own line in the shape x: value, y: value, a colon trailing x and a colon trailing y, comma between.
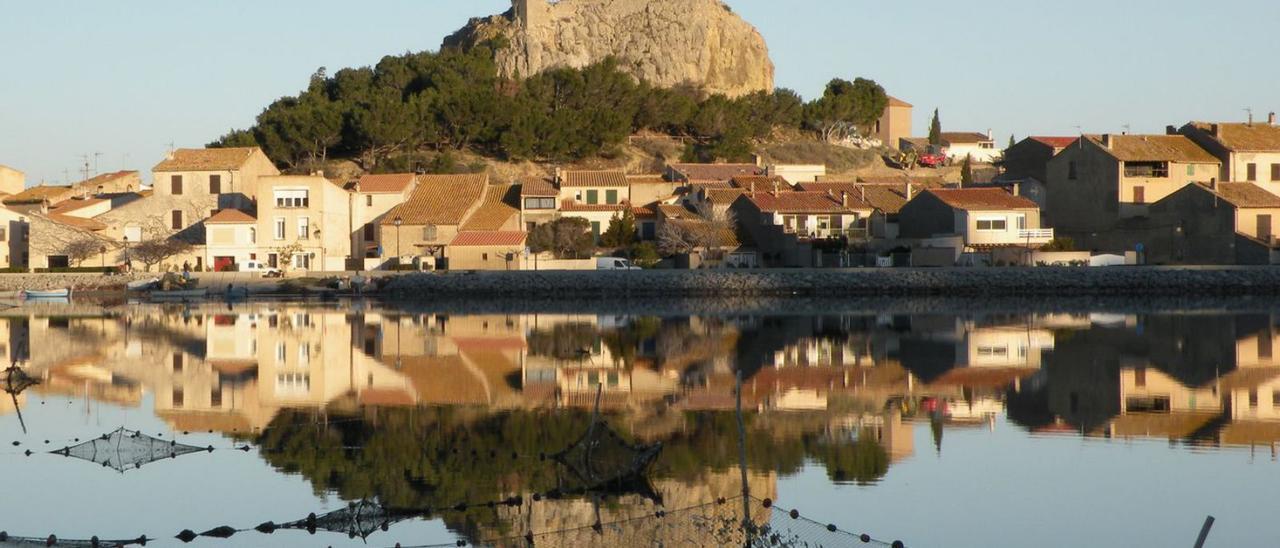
x: 1015, y: 237
x: 1036, y: 234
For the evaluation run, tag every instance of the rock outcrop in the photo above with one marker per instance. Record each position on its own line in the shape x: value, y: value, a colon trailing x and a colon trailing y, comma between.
x: 663, y: 42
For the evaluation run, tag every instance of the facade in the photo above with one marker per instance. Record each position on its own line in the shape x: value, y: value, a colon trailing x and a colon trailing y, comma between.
x: 539, y: 202
x: 978, y: 146
x: 494, y: 250
x: 372, y: 196
x: 14, y: 233
x: 230, y: 174
x: 1029, y: 158
x: 895, y: 123
x: 1248, y: 152
x: 231, y: 239
x: 1099, y: 185
x: 650, y: 188
x: 597, y: 196
x: 796, y: 173
x: 1215, y: 224
x: 430, y: 219
x: 785, y: 226
x: 980, y: 217
x: 42, y: 197
x: 303, y: 223
x: 12, y: 181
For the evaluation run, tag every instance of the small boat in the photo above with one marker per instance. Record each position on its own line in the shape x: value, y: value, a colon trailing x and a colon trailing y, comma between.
x: 179, y: 294
x: 47, y: 293
x: 142, y: 285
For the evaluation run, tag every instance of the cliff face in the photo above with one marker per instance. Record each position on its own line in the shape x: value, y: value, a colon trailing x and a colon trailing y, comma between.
x: 664, y: 42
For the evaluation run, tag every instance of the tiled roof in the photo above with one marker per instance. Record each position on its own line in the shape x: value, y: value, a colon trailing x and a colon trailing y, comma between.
x: 593, y: 178
x: 1055, y: 142
x: 723, y: 195
x: 38, y: 194
x: 538, y: 186
x: 206, y: 159
x: 571, y: 206
x: 762, y: 182
x: 724, y: 236
x: 715, y: 172
x: 964, y: 137
x: 888, y: 199
x: 1247, y: 195
x: 645, y: 211
x: 439, y: 200
x: 488, y: 238
x: 67, y: 206
x: 230, y: 217
x: 647, y: 179
x: 796, y: 202
x: 1156, y: 148
x: 673, y: 211
x: 501, y: 203
x: 707, y: 185
x: 390, y: 183
x: 981, y: 199
x: 1244, y: 137
x: 78, y: 222
x: 105, y: 178
x: 896, y: 102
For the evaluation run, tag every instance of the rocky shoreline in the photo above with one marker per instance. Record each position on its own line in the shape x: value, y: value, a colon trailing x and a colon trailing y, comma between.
x: 1136, y: 282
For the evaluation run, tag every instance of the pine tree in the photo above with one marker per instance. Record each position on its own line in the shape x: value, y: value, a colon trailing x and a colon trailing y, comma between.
x: 966, y: 172
x: 1012, y: 142
x: 935, y: 129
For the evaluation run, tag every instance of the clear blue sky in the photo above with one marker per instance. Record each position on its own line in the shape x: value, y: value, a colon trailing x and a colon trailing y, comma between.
x: 127, y: 78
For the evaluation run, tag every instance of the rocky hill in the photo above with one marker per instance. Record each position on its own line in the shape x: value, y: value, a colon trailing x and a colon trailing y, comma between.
x: 663, y: 42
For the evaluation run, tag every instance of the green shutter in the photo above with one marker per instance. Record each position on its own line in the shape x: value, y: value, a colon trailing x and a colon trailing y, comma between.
x: 595, y: 226
x: 611, y: 197
x: 593, y: 197
x: 1191, y: 170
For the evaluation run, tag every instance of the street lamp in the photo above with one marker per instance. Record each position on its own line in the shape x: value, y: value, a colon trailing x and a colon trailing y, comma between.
x: 397, y: 221
x: 128, y: 259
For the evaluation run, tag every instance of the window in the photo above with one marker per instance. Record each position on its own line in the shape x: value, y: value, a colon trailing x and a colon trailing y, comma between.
x: 177, y: 362
x: 368, y: 200
x: 484, y: 257
x: 302, y: 261
x: 175, y: 185
x: 273, y: 261
x: 1140, y: 377
x: 1264, y: 346
x: 993, y: 224
x: 304, y: 353
x: 1253, y: 398
x: 1021, y: 221
x: 370, y: 233
x: 1191, y: 170
x: 593, y: 197
x: 1149, y: 170
x: 429, y: 232
x: 292, y: 198
x: 611, y: 197
x: 1275, y: 173
x: 993, y: 351
x: 539, y: 203
x: 281, y: 353
x: 1071, y: 170
x: 1139, y: 195
x: 1251, y: 172
x: 177, y: 219
x: 304, y: 228
x: 179, y: 399
x: 279, y: 229
x: 3, y: 234
x: 595, y: 231
x: 215, y: 396
x: 133, y: 233
x: 215, y: 184
x: 253, y: 236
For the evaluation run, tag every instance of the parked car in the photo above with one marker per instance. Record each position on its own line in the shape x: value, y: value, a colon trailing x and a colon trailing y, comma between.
x: 614, y: 263
x: 256, y: 266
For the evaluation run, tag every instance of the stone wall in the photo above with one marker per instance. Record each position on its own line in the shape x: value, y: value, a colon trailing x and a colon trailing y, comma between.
x: 1051, y: 281
x: 78, y: 282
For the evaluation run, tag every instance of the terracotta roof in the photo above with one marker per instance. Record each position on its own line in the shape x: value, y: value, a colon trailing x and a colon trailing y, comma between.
x: 538, y: 186
x: 706, y: 185
x: 715, y: 172
x: 1247, y: 195
x: 673, y: 211
x: 902, y: 180
x: 981, y: 198
x: 888, y: 199
x: 723, y: 195
x: 896, y: 102
x: 724, y: 236
x: 78, y: 222
x: 68, y: 206
x: 390, y: 183
x: 231, y: 217
x: 593, y: 178
x: 645, y: 211
x: 964, y: 137
x: 439, y: 200
x: 203, y: 421
x: 796, y: 202
x: 1156, y: 148
x: 39, y: 194
x: 1244, y: 137
x: 488, y: 238
x: 206, y: 159
x: 386, y: 397
x: 762, y: 182
x: 647, y: 179
x: 445, y: 380
x: 570, y: 205
x: 106, y: 178
x: 501, y: 203
x: 1055, y: 142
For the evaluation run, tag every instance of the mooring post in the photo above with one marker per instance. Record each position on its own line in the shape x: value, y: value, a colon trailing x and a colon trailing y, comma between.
x: 1204, y: 532
x: 742, y: 463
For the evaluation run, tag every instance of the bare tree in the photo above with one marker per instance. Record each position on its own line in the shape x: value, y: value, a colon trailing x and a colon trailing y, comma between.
x: 155, y: 251
x: 80, y: 249
x: 675, y: 238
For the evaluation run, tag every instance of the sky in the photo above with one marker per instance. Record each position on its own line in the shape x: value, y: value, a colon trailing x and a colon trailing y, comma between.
x: 117, y: 82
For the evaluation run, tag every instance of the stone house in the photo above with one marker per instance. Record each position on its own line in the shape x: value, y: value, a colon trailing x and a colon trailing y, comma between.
x: 1214, y: 224
x: 42, y: 197
x: 787, y: 227
x: 597, y: 196
x: 1029, y: 158
x: 885, y: 201
x: 304, y: 223
x: 229, y: 174
x: 51, y: 235
x: 487, y: 250
x: 894, y: 124
x: 1248, y: 152
x: 372, y: 196
x: 14, y: 238
x: 12, y: 181
x: 982, y: 219
x: 1098, y: 185
x: 231, y: 239
x: 430, y: 219
x: 539, y: 202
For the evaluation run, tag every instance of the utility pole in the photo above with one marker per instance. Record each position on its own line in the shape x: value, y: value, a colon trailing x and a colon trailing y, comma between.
x: 96, y: 155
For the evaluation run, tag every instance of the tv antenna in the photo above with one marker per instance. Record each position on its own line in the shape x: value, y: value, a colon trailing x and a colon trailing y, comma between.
x: 1249, y: 110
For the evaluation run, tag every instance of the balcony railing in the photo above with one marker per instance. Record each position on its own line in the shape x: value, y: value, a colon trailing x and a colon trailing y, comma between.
x: 1036, y: 234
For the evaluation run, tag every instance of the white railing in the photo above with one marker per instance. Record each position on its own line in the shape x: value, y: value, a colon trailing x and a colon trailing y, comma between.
x: 1035, y: 234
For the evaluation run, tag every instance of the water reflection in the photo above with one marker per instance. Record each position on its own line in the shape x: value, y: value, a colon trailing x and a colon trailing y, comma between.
x: 437, y: 415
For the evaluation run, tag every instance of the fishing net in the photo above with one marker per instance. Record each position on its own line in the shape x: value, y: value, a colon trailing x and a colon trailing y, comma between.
x: 124, y: 450
x: 358, y: 519
x: 602, y: 462
x: 16, y: 380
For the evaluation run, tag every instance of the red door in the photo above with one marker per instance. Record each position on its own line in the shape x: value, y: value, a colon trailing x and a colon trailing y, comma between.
x: 223, y: 264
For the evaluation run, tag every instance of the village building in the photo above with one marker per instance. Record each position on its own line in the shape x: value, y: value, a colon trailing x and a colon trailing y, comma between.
x: 1096, y: 186
x: 650, y: 188
x: 303, y: 222
x: 690, y: 173
x: 42, y: 197
x: 231, y: 240
x: 793, y: 228
x: 14, y: 237
x: 488, y: 250
x: 885, y: 201
x: 972, y: 220
x: 419, y: 230
x: 12, y: 181
x: 597, y: 196
x: 372, y: 196
x: 1218, y: 223
x: 894, y: 123
x: 1248, y: 152
x: 229, y: 175
x: 539, y: 202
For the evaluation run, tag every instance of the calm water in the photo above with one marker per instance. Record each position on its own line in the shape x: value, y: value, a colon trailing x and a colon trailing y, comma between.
x: 939, y: 429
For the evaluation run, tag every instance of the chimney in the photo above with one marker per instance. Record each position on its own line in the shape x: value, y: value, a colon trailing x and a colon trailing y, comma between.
x: 1213, y: 184
x: 1271, y: 118
x: 844, y: 199
x: 775, y: 188
x: 759, y: 160
x: 1216, y: 129
x: 559, y: 173
x: 909, y: 190
x: 1170, y: 130
x: 1017, y: 189
x: 990, y: 135
x: 862, y: 193
x: 1106, y: 140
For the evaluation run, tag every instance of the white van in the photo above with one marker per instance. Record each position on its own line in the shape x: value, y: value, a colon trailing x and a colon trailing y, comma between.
x: 255, y: 266
x: 614, y: 263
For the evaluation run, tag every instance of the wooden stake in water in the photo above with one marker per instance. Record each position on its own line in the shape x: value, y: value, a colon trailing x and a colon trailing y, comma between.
x: 742, y: 465
x: 1204, y: 532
